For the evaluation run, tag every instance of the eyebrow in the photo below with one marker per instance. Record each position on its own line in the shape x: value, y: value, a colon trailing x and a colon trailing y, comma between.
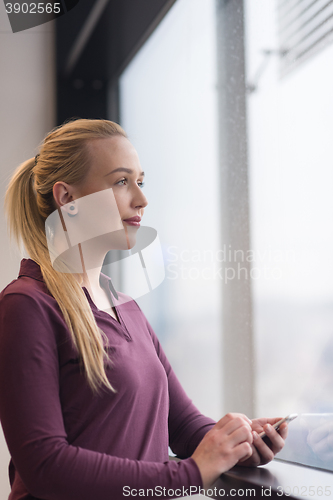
x: 123, y: 169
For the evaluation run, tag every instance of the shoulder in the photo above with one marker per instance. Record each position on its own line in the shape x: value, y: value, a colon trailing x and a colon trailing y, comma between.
x: 134, y: 316
x: 26, y: 291
x: 127, y: 303
x: 130, y: 310
x: 27, y: 309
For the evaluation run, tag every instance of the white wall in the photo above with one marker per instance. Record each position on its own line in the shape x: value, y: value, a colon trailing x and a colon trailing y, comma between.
x: 27, y: 104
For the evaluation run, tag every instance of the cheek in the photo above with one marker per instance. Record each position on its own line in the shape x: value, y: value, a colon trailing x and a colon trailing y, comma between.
x: 122, y: 203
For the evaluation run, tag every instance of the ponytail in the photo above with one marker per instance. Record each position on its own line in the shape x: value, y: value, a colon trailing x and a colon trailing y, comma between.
x: 20, y: 203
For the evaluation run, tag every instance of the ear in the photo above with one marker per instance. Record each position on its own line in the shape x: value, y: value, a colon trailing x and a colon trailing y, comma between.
x: 62, y: 193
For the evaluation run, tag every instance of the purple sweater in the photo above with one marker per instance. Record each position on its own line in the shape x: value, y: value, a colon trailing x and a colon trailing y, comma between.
x: 67, y: 443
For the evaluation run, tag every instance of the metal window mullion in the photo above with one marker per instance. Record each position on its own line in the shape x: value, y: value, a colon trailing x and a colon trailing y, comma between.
x: 238, y: 351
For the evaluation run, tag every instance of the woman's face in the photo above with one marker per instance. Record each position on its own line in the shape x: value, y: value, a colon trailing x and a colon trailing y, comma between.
x: 110, y: 217
x: 115, y: 164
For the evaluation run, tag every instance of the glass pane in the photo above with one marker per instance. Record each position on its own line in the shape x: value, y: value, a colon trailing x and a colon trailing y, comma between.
x: 291, y: 177
x: 310, y: 441
x: 168, y: 108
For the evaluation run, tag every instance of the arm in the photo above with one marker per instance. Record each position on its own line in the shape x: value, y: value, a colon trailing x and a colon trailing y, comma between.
x: 31, y: 416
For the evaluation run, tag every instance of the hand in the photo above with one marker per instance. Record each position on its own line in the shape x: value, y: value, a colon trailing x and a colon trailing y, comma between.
x: 264, y: 450
x: 223, y: 446
x: 320, y: 441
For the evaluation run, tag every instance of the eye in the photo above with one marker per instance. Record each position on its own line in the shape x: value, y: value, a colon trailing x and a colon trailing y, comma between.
x: 121, y: 182
x: 124, y: 181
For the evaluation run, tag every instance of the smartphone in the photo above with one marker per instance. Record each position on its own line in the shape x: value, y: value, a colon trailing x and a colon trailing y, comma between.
x: 276, y: 426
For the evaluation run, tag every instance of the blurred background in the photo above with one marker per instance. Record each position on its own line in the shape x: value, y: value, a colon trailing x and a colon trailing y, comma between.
x: 229, y: 106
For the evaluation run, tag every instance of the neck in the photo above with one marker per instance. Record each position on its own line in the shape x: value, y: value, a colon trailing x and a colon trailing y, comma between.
x: 90, y: 277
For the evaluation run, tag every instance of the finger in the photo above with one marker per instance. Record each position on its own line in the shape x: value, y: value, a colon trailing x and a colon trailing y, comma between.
x: 259, y: 427
x: 276, y: 440
x: 283, y: 430
x: 236, y: 423
x: 243, y: 451
x: 243, y: 416
x: 255, y: 457
x: 320, y: 433
x: 230, y: 417
x: 240, y: 435
x: 259, y: 423
x: 273, y: 420
x: 264, y: 452
x: 323, y: 447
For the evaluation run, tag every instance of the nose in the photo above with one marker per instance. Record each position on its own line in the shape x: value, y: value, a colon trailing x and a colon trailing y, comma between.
x: 139, y: 199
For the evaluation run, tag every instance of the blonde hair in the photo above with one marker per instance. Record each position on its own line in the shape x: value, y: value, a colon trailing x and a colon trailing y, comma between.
x: 63, y: 156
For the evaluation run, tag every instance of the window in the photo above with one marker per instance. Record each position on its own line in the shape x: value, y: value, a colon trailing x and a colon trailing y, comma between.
x: 291, y: 179
x: 305, y: 27
x: 176, y: 106
x: 168, y: 108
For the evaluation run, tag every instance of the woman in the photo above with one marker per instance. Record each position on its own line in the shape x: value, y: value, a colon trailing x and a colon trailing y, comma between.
x: 88, y: 400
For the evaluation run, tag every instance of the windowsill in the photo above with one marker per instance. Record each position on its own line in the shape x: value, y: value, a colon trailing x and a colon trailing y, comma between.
x: 275, y: 479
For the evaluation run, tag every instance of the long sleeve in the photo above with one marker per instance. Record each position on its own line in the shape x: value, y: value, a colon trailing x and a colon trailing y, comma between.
x: 33, y: 419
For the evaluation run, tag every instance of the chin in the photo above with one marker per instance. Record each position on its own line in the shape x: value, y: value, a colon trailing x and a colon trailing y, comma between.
x: 130, y: 232
x: 123, y: 239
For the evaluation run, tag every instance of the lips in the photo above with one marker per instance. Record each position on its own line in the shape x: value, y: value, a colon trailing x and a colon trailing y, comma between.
x: 133, y: 221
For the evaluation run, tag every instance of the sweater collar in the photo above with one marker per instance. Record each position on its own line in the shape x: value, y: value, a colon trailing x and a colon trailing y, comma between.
x: 31, y: 269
